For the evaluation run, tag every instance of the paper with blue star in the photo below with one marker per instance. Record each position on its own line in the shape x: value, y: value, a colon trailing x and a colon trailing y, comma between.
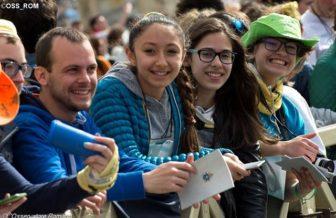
x: 213, y: 177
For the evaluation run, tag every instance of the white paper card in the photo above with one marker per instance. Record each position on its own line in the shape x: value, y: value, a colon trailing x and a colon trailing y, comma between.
x: 275, y: 177
x: 299, y: 162
x: 213, y: 176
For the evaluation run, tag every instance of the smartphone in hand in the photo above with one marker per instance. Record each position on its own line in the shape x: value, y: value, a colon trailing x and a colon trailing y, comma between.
x: 12, y: 198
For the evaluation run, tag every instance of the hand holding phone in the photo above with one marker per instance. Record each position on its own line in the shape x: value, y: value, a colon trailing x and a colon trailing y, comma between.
x: 12, y: 198
x: 254, y: 165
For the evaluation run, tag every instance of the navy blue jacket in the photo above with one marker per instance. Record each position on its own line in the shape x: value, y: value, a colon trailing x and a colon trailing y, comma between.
x: 40, y: 161
x: 54, y: 197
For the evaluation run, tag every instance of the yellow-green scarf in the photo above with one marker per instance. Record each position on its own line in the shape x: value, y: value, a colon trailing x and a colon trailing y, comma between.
x: 273, y: 97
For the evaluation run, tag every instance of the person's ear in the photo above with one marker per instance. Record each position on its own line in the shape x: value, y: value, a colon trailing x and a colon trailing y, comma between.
x: 41, y: 75
x: 131, y: 56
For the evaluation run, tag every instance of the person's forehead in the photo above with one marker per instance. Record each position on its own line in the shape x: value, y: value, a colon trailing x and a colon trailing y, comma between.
x: 326, y: 2
x: 153, y: 34
x: 11, y: 51
x: 281, y: 39
x: 101, y: 19
x: 64, y: 50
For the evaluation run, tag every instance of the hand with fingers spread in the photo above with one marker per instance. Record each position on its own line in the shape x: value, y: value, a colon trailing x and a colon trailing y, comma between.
x: 95, y: 202
x: 236, y: 167
x: 168, y: 177
x: 102, y: 170
x: 6, y: 209
x: 300, y: 146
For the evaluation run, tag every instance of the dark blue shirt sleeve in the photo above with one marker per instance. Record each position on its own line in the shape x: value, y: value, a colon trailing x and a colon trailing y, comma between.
x: 54, y: 197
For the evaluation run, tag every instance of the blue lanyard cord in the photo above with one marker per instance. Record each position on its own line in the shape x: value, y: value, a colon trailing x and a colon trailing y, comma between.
x: 285, y: 130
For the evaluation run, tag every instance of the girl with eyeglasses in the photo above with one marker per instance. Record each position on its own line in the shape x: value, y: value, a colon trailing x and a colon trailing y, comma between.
x: 160, y: 93
x: 275, y: 44
x: 147, y: 106
x: 226, y: 108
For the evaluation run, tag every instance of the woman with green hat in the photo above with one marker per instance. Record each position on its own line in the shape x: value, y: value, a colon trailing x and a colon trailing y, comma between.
x: 276, y: 45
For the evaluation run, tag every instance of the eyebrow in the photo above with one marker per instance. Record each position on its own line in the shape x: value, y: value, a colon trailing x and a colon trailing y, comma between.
x: 222, y: 50
x: 281, y: 40
x: 10, y: 59
x: 152, y: 43
x: 71, y: 66
x: 79, y: 66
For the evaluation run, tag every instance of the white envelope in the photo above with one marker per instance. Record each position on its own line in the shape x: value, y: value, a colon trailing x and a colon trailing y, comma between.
x: 213, y: 176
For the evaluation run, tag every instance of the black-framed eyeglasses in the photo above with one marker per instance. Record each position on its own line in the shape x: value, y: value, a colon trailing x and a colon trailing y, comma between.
x: 11, y: 68
x: 273, y: 44
x: 207, y: 55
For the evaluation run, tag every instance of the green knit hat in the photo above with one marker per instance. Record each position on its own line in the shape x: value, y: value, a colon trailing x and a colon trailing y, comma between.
x: 278, y: 26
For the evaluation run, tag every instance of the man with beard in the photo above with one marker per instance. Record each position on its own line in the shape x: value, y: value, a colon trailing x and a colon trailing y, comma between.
x: 54, y: 197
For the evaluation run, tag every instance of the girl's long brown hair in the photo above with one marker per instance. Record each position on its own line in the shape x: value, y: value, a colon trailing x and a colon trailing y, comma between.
x: 189, y: 140
x: 236, y: 118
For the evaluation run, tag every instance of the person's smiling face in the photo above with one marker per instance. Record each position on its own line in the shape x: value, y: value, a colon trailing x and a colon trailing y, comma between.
x: 157, y: 55
x: 273, y: 65
x: 213, y: 75
x: 72, y: 79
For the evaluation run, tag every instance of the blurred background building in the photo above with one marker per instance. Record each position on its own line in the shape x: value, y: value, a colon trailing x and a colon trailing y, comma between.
x: 83, y: 10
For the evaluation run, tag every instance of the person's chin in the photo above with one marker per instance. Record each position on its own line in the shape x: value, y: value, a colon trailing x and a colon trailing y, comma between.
x: 84, y: 106
x: 278, y: 71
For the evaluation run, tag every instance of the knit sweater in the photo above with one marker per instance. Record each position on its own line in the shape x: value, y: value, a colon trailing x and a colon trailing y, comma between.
x: 118, y: 109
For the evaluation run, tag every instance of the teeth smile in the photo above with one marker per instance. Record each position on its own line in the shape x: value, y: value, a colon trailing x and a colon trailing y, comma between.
x: 277, y: 61
x: 160, y: 73
x: 81, y: 92
x: 215, y: 75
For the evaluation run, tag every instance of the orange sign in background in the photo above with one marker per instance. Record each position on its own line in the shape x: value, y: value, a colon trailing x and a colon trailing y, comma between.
x: 9, y: 99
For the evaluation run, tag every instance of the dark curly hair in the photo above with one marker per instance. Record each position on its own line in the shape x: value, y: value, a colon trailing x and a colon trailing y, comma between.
x: 31, y: 24
x: 186, y: 5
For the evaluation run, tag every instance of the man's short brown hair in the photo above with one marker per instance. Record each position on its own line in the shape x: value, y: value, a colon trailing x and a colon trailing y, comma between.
x: 44, y: 45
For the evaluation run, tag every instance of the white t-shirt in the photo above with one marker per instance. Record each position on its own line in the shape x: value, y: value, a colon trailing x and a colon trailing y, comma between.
x: 296, y: 98
x: 322, y: 28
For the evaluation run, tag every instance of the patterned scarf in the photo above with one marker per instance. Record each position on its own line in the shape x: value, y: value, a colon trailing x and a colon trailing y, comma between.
x: 272, y: 96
